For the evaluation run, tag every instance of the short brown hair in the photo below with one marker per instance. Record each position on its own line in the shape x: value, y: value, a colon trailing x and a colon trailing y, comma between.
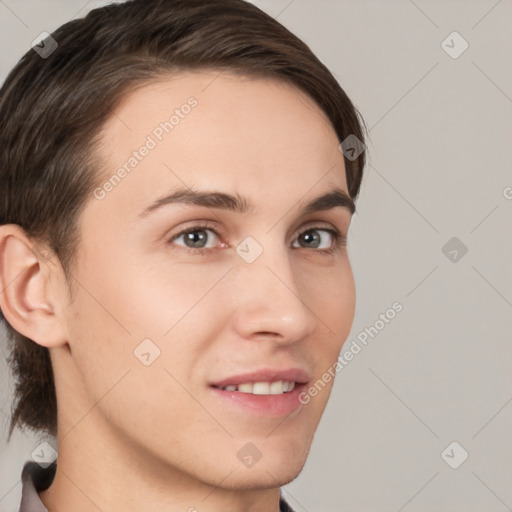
x: 52, y: 110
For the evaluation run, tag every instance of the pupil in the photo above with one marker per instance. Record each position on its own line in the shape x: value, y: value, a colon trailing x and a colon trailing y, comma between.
x: 313, y: 236
x: 196, y: 239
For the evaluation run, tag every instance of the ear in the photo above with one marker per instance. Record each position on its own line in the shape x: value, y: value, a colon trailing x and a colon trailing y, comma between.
x: 26, y: 291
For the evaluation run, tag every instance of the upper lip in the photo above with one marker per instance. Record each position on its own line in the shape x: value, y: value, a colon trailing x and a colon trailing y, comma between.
x: 266, y: 375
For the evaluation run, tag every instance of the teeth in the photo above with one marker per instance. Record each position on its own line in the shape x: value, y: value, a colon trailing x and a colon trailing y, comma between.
x: 263, y: 388
x: 276, y: 388
x: 245, y: 388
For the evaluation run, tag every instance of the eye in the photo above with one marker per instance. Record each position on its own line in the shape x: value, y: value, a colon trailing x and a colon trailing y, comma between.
x: 323, y: 239
x: 197, y: 237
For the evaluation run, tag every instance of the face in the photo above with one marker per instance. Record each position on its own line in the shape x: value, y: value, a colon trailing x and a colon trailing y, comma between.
x: 177, y: 298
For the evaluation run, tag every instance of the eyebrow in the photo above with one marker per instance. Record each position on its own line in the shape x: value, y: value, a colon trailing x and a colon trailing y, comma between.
x: 235, y: 203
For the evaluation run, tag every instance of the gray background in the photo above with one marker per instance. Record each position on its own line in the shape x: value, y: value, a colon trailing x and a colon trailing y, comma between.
x: 439, y: 167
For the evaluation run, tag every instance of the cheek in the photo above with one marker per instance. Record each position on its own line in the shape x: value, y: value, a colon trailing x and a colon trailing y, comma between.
x: 166, y: 299
x: 332, y: 299
x: 330, y: 294
x: 125, y: 360
x: 148, y: 297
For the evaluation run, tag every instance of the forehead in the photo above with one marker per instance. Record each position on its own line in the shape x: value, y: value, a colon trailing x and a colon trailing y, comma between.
x: 219, y: 130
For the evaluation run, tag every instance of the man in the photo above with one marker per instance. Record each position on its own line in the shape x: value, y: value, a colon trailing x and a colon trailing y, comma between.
x: 173, y: 259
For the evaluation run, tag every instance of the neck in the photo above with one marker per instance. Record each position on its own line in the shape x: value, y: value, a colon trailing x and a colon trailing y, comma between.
x: 99, y: 473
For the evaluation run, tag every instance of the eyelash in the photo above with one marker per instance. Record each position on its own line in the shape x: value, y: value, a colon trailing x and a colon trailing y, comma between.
x: 339, y: 240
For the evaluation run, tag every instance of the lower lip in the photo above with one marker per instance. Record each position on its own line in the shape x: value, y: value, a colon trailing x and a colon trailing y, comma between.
x: 264, y: 405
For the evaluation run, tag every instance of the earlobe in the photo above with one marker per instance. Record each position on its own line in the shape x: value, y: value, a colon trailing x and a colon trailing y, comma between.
x: 24, y: 286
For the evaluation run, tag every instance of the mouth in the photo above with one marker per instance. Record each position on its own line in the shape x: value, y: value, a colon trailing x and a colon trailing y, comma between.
x: 258, y: 402
x: 264, y: 393
x: 261, y: 388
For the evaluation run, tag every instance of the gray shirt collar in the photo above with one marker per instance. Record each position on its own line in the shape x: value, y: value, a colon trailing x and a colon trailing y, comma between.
x: 35, y: 478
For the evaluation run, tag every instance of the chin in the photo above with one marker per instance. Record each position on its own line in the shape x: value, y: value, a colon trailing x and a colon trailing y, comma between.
x: 266, y: 477
x: 275, y: 470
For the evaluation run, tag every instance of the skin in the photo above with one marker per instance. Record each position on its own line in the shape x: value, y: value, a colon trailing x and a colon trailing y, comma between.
x: 135, y: 437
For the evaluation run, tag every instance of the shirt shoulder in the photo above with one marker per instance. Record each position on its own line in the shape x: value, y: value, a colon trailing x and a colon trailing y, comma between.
x: 35, y: 478
x: 283, y: 505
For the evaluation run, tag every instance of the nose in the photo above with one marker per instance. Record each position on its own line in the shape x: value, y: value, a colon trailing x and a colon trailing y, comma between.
x: 270, y: 300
